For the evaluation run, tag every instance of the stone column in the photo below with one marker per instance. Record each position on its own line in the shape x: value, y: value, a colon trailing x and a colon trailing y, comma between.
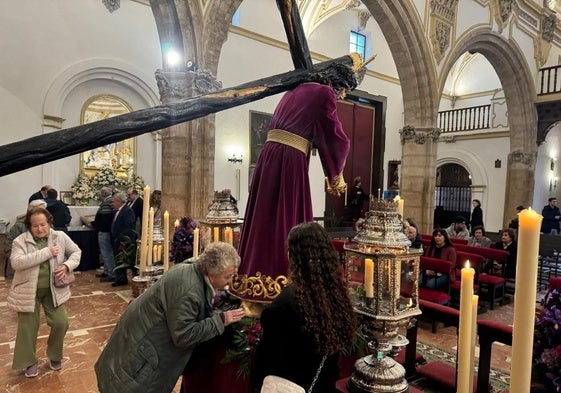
x: 418, y: 174
x: 187, y: 148
x: 519, y: 183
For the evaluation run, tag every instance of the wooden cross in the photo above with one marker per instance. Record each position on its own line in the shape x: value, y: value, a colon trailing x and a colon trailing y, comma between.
x: 45, y: 148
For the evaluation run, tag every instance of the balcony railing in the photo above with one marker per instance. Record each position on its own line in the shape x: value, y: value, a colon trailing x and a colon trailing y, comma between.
x: 464, y: 119
x: 550, y: 80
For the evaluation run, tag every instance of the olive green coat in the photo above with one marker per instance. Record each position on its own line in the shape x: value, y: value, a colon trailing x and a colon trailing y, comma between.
x: 156, y: 335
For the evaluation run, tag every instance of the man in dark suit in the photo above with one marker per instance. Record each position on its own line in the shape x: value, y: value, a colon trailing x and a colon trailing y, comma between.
x: 59, y: 211
x: 122, y: 226
x: 136, y: 203
x: 41, y: 194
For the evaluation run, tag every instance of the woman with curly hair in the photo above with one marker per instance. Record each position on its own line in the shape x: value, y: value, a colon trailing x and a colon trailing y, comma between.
x: 312, y: 319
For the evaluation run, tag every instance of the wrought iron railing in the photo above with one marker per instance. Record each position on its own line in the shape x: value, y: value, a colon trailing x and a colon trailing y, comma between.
x: 465, y: 119
x: 550, y: 80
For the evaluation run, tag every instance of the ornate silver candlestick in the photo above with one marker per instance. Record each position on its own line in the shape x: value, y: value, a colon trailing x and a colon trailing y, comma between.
x: 391, y: 304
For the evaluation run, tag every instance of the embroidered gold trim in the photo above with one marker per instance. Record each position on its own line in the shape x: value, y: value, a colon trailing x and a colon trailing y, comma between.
x: 289, y: 139
x: 260, y: 287
x: 338, y: 186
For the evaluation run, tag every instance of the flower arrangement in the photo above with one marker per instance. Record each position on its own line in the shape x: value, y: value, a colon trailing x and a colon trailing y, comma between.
x: 246, y: 335
x: 136, y: 182
x: 547, y: 341
x: 107, y: 177
x: 82, y: 189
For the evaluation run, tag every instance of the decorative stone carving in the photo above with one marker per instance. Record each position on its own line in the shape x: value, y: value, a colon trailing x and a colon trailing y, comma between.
x: 549, y: 22
x: 440, y: 38
x: 205, y: 82
x: 443, y: 18
x: 352, y: 4
x: 541, y: 50
x: 446, y: 9
x: 172, y: 85
x: 181, y: 85
x: 524, y: 158
x: 363, y: 16
x: 501, y: 11
x: 112, y: 5
x: 419, y: 137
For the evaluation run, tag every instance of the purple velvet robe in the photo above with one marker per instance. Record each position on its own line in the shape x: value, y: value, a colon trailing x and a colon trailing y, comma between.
x: 280, y: 195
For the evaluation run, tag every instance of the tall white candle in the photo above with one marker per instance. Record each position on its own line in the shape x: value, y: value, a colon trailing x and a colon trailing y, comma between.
x: 465, y: 330
x: 166, y: 241
x: 150, y: 236
x: 196, y: 242
x: 525, y: 300
x: 144, y: 229
x: 474, y: 302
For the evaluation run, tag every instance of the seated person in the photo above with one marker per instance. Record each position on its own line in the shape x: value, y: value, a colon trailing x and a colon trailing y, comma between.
x: 439, y: 247
x: 458, y: 229
x: 507, y: 243
x: 479, y: 239
x: 412, y: 233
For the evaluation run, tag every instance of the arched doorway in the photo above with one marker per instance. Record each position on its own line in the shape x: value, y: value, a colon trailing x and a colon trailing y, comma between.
x: 452, y: 196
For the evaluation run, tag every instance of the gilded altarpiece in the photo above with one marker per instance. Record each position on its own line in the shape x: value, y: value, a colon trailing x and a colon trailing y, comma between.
x: 120, y: 156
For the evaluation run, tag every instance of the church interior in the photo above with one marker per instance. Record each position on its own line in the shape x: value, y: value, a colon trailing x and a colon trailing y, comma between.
x: 461, y: 102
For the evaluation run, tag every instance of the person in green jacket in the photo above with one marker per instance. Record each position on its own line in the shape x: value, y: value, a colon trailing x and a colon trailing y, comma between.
x: 158, y: 332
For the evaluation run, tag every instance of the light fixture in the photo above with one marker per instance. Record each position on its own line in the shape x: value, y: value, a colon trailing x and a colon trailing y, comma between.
x: 497, y: 163
x: 234, y: 159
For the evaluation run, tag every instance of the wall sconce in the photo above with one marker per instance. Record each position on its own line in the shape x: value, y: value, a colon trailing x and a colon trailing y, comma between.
x: 497, y: 163
x: 235, y: 159
x: 555, y: 183
x: 552, y: 164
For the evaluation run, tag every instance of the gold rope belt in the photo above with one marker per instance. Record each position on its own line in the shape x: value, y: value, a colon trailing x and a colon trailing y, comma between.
x: 289, y: 139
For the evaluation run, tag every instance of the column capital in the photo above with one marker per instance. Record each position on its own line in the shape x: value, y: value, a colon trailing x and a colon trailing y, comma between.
x: 419, y: 135
x: 178, y: 85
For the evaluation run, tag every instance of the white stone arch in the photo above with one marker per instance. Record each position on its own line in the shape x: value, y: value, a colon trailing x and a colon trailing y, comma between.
x: 477, y: 171
x: 96, y: 70
x: 71, y: 89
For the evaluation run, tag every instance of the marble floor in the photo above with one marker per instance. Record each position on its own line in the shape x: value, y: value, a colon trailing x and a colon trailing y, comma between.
x: 93, y: 311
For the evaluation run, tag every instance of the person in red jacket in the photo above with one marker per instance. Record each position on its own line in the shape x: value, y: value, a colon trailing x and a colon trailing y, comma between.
x: 439, y: 247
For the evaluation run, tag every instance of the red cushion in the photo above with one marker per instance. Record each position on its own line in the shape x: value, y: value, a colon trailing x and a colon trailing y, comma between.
x: 431, y: 307
x: 338, y: 245
x: 441, y: 373
x: 432, y: 295
x: 491, y: 280
x: 555, y: 283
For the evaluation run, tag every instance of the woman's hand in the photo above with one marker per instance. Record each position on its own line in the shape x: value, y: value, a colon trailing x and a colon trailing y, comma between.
x: 55, y: 250
x: 233, y: 316
x: 61, y: 272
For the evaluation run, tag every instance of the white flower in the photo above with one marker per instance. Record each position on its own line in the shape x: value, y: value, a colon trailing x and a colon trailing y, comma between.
x: 81, y: 189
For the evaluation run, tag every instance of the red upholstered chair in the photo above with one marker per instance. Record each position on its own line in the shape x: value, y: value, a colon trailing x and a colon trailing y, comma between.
x: 493, y: 287
x: 456, y: 241
x: 475, y: 261
x: 438, y: 266
x: 489, y: 332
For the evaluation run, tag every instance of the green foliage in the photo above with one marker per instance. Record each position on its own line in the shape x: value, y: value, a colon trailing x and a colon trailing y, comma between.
x: 126, y: 256
x: 243, y: 342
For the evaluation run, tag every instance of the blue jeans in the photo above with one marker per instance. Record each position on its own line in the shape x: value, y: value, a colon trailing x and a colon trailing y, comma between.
x: 106, y: 250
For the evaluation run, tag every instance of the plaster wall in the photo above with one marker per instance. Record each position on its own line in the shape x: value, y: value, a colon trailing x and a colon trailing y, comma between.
x: 40, y: 40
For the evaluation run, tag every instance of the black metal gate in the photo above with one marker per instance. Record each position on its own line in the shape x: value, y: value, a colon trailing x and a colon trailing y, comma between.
x: 449, y: 202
